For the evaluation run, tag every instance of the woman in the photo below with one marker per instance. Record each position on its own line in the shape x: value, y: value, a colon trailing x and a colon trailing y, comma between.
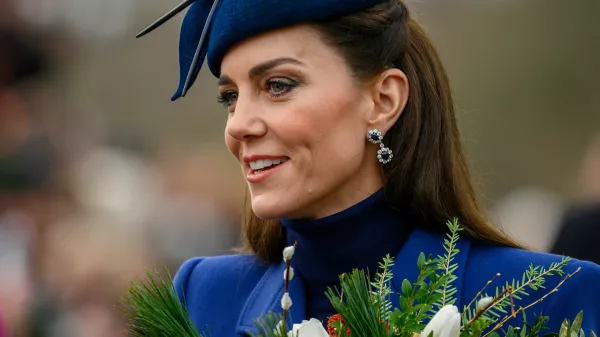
x: 341, y: 117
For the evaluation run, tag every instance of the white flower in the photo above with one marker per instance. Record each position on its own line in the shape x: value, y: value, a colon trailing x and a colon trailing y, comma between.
x: 286, y: 301
x: 291, y: 274
x: 446, y: 323
x: 483, y: 303
x: 288, y: 253
x: 312, y: 328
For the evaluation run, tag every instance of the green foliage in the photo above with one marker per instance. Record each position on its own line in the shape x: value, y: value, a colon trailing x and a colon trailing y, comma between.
x: 154, y: 309
x: 447, y: 266
x: 540, y: 324
x: 269, y: 326
x: 360, y: 306
x: 532, y: 279
x: 574, y: 329
x: 381, y: 287
x: 432, y: 289
x: 417, y: 299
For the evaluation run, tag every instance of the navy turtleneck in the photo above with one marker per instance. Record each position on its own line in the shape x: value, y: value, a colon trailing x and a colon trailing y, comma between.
x: 358, y: 237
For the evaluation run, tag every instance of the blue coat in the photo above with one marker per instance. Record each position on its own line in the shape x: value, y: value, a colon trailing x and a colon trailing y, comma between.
x: 224, y: 295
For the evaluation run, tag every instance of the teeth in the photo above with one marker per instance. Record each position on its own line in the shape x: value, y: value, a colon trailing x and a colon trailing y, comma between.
x: 262, y: 164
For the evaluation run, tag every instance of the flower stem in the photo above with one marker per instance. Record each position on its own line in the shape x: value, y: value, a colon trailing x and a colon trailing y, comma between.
x: 286, y: 286
x: 496, y: 300
x: 521, y: 309
x: 482, y: 290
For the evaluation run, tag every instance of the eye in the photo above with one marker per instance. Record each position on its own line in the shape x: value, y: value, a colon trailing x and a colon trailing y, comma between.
x: 228, y: 98
x: 280, y: 86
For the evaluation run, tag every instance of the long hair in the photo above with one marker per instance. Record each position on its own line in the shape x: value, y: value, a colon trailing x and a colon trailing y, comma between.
x: 428, y: 177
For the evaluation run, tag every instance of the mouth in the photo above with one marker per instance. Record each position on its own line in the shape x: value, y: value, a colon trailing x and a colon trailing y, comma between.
x: 260, y: 168
x: 262, y: 165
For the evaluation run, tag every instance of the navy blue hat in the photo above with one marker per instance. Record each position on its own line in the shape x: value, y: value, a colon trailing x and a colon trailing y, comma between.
x: 211, y: 27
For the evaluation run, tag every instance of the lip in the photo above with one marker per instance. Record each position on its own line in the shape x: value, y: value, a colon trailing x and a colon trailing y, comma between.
x: 252, y: 177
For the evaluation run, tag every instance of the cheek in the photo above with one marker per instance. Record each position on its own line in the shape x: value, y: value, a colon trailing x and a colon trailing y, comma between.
x: 328, y: 132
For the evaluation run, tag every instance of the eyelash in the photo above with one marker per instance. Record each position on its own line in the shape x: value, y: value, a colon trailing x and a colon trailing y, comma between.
x: 228, y: 98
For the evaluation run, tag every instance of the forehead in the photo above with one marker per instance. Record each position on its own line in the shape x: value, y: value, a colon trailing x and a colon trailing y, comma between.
x: 301, y: 42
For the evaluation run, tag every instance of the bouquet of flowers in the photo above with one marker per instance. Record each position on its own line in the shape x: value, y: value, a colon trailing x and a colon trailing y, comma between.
x: 364, y: 307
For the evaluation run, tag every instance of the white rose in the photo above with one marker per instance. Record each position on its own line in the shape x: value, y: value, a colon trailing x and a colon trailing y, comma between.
x: 446, y: 323
x: 312, y: 328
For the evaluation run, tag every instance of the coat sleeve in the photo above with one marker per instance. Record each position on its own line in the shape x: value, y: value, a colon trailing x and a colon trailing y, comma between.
x: 580, y: 293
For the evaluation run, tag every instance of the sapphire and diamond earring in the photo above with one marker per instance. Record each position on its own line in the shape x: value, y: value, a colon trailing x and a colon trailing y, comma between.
x: 384, y: 154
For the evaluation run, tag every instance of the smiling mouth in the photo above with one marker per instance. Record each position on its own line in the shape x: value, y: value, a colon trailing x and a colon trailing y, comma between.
x: 259, y: 166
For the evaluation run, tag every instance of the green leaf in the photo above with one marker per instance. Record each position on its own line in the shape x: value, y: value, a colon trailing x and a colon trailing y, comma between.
x: 565, y: 329
x: 576, y: 327
x: 421, y: 261
x: 421, y: 295
x: 406, y: 288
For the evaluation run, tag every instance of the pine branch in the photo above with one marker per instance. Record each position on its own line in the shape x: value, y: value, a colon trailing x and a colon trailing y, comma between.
x: 445, y: 264
x: 358, y: 308
x: 154, y: 309
x: 381, y: 287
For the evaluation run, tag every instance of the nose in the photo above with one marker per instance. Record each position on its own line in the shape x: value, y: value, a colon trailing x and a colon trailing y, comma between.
x: 245, y: 123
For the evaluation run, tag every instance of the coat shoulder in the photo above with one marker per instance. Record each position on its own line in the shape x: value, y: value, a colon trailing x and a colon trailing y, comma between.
x: 485, y: 261
x: 215, y: 289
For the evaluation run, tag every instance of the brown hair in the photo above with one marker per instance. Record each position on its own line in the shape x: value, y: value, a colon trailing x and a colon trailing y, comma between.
x: 429, y: 177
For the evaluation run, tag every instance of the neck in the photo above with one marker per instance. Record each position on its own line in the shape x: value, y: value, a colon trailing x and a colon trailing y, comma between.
x: 358, y: 237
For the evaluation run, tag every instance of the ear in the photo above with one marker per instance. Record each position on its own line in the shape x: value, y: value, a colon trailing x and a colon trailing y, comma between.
x: 389, y: 94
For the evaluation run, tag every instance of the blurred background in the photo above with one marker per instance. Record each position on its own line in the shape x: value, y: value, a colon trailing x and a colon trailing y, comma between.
x: 101, y: 176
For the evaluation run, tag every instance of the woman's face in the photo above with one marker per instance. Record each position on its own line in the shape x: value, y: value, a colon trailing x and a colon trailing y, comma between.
x: 297, y: 123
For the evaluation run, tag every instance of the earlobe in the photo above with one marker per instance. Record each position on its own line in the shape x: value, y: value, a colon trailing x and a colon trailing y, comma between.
x: 390, y: 95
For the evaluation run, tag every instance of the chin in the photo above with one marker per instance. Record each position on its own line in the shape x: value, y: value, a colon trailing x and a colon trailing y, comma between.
x: 269, y: 207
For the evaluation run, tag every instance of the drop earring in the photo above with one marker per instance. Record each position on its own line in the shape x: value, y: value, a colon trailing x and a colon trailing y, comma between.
x: 384, y: 154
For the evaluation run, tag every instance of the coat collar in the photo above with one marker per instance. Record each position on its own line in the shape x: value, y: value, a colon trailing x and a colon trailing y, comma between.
x: 266, y: 297
x: 267, y: 294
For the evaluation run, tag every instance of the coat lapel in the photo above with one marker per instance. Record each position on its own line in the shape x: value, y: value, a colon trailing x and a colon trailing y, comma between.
x: 428, y: 242
x: 266, y: 297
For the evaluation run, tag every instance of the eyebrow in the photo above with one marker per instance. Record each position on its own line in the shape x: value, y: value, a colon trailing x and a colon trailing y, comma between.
x: 261, y: 68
